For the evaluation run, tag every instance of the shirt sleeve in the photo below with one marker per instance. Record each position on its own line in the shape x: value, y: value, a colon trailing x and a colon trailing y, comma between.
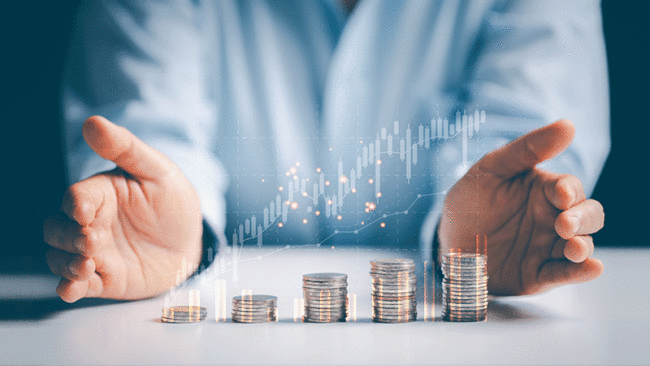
x: 534, y: 62
x: 147, y: 68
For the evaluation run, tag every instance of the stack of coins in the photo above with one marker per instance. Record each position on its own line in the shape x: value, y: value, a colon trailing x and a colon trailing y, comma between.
x: 464, y: 287
x: 326, y: 297
x: 184, y: 314
x: 254, y: 309
x: 393, y: 290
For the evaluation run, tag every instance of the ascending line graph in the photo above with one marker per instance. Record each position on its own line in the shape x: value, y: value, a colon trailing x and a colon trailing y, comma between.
x: 304, y: 195
x: 302, y: 198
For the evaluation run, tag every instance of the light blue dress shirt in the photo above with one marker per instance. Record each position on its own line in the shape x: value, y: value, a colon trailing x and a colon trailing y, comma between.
x: 237, y: 92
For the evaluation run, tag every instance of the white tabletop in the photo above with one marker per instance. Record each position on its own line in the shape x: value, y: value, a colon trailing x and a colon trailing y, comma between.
x: 602, y: 322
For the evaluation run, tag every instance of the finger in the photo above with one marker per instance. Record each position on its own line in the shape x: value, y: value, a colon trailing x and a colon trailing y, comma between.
x: 562, y: 272
x: 579, y: 248
x: 529, y: 150
x: 71, y: 291
x: 82, y: 200
x: 70, y: 266
x: 585, y: 218
x: 117, y: 144
x: 64, y: 234
x: 564, y: 191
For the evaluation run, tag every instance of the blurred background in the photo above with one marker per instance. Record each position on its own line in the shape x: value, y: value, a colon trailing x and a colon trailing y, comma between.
x: 34, y: 41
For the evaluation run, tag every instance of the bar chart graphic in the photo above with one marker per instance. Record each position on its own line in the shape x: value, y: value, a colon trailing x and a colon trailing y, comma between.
x: 311, y: 195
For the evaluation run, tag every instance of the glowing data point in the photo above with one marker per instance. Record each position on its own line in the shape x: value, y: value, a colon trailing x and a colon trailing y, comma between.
x: 317, y: 170
x: 287, y: 202
x: 354, y: 190
x: 327, y: 182
x: 378, y: 194
x: 343, y: 179
x: 304, y: 221
x: 293, y: 170
x: 329, y: 202
x: 294, y: 205
x: 280, y: 224
x: 317, y: 213
x: 297, y: 163
x: 339, y: 217
x: 304, y: 194
x: 383, y: 224
x: 378, y: 162
x: 263, y: 180
x: 371, y: 181
x: 280, y: 188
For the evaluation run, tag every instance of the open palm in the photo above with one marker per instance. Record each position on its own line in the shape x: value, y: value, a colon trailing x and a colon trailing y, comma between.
x: 123, y: 234
x: 537, y: 222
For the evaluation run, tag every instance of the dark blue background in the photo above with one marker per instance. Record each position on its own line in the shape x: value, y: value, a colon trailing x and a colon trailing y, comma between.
x: 34, y: 39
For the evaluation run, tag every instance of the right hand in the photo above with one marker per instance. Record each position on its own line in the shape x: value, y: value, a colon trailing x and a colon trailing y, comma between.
x: 123, y: 234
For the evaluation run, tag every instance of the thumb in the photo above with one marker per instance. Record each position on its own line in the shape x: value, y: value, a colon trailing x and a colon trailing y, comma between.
x: 117, y: 144
x: 529, y: 150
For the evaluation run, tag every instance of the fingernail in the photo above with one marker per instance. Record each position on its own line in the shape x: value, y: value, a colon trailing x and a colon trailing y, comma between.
x: 72, y: 270
x: 575, y: 224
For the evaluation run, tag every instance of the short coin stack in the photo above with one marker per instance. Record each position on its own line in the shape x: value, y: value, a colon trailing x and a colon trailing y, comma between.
x: 393, y: 290
x: 464, y: 287
x: 326, y: 297
x: 184, y: 314
x: 254, y: 309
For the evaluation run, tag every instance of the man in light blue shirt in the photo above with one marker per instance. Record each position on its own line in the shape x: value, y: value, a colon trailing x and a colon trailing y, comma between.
x: 230, y: 100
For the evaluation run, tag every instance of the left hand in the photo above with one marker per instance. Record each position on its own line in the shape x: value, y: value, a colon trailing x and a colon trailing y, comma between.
x: 538, y: 223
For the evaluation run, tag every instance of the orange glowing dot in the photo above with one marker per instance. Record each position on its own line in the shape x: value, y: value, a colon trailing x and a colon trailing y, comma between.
x: 317, y: 213
x: 330, y: 149
x: 371, y: 181
x: 327, y: 182
x: 287, y: 202
x: 362, y: 223
x: 329, y: 202
x: 280, y: 224
x: 383, y: 224
x: 293, y: 170
x: 304, y: 194
x: 343, y: 179
x: 287, y: 174
x: 339, y: 217
x: 354, y: 190
x: 332, y: 247
x: 361, y: 141
x: 378, y: 162
x: 280, y: 188
x: 372, y: 205
x: 367, y: 209
x: 294, y: 205
x: 304, y: 221
x: 317, y: 170
x: 378, y: 194
x: 297, y: 163
x: 295, y: 177
x: 263, y: 180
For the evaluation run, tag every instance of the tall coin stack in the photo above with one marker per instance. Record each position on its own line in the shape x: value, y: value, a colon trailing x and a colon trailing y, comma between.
x: 464, y: 287
x: 326, y: 297
x: 393, y: 290
x: 254, y: 309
